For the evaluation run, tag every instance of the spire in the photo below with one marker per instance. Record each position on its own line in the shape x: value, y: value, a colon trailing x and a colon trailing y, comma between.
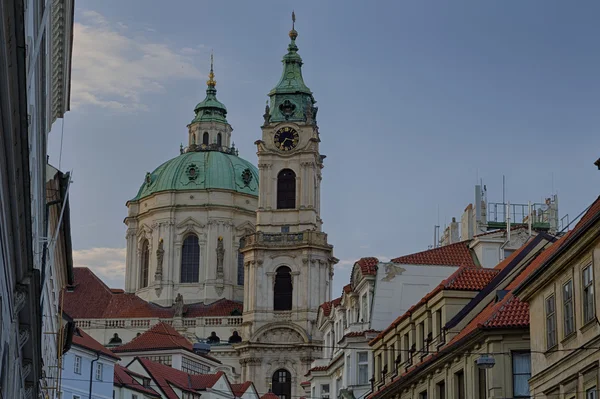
x: 290, y: 98
x: 210, y: 109
x: 211, y: 76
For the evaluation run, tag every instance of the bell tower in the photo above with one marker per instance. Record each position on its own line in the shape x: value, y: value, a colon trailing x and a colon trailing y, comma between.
x: 288, y: 261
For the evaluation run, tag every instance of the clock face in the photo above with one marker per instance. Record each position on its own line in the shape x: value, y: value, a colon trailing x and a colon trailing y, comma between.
x: 286, y: 138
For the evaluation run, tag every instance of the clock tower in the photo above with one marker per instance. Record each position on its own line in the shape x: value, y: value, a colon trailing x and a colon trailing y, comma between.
x: 288, y: 261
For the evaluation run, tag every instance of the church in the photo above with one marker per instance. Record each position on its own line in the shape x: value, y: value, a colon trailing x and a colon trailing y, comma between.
x: 218, y: 247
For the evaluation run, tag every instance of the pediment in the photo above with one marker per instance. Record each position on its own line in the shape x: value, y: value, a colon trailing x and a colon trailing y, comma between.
x: 189, y: 223
x: 246, y: 227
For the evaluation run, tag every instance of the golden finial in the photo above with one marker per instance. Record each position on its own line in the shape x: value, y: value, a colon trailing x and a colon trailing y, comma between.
x: 293, y: 33
x: 211, y: 76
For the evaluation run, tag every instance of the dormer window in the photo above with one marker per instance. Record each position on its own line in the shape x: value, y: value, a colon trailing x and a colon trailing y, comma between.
x: 205, y: 138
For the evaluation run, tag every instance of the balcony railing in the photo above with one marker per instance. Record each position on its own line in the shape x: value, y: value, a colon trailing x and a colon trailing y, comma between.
x: 287, y: 239
x: 148, y: 322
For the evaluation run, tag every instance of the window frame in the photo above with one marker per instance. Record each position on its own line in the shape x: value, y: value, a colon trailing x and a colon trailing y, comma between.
x: 459, y: 384
x: 286, y: 189
x: 77, y: 365
x: 99, y: 371
x: 551, y: 341
x: 514, y: 375
x: 145, y: 264
x: 362, y: 365
x: 568, y: 303
x: 587, y: 289
x: 189, y: 271
x: 283, y: 276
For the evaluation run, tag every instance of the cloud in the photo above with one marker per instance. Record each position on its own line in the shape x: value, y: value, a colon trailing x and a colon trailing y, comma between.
x: 345, y: 264
x: 112, y: 70
x: 107, y: 263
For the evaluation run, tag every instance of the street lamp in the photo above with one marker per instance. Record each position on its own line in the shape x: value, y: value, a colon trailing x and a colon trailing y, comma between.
x: 485, y: 362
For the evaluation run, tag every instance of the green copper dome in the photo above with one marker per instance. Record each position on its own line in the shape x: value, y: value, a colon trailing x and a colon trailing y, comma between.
x: 291, y: 99
x: 210, y: 109
x: 202, y: 170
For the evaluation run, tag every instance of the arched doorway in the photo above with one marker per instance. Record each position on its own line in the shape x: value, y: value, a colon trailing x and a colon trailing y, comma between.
x: 281, y: 384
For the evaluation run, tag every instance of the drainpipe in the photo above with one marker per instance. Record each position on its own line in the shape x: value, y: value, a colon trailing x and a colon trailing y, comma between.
x: 92, y: 372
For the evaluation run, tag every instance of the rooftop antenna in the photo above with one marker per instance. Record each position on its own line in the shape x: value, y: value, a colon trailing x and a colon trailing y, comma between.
x: 503, y: 189
x: 293, y: 19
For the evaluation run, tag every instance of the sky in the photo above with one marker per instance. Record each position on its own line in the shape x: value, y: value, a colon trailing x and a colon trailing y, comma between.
x: 418, y: 101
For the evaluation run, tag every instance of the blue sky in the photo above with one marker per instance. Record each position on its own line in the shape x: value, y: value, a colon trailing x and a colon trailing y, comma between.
x: 417, y: 100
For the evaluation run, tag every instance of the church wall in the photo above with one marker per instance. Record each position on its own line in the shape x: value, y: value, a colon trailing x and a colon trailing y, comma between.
x: 172, y: 216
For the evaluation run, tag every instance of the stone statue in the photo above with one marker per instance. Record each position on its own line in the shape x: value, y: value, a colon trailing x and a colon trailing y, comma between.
x: 213, y: 339
x: 179, y: 305
x: 160, y: 254
x: 309, y: 113
x: 220, y: 257
x: 235, y: 338
x: 267, y: 114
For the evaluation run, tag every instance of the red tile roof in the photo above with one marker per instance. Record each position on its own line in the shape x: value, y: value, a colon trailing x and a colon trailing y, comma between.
x: 347, y: 288
x: 457, y: 254
x: 165, y: 376
x: 327, y: 306
x: 360, y: 333
x: 466, y: 278
x: 80, y: 338
x: 123, y: 378
x: 92, y: 299
x: 368, y: 266
x: 269, y: 395
x: 305, y: 383
x: 160, y: 336
x: 240, y: 389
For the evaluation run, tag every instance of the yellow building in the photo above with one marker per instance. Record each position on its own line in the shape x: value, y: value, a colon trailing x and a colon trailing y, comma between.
x: 565, y: 331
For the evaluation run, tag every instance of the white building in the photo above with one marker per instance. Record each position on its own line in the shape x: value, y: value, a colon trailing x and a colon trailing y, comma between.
x: 377, y: 293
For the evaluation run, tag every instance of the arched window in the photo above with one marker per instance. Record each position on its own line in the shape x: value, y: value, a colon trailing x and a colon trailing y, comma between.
x: 190, y: 260
x: 281, y: 384
x: 145, y: 267
x: 219, y: 139
x: 240, y: 265
x: 283, y: 289
x: 286, y: 189
x: 205, y: 138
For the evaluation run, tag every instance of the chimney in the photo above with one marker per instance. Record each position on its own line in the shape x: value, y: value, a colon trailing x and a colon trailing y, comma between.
x: 454, y: 237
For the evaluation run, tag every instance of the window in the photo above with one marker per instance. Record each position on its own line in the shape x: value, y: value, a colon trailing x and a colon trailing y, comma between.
x: 77, y: 365
x: 240, y: 262
x: 191, y: 367
x: 568, y: 308
x: 363, y: 309
x: 283, y: 289
x: 286, y: 189
x: 406, y: 349
x: 324, y: 391
x: 190, y: 260
x: 441, y: 390
x: 591, y: 393
x: 348, y: 369
x: 313, y: 392
x: 482, y: 383
x: 281, y: 384
x: 78, y: 397
x: 423, y: 395
x: 145, y: 264
x: 219, y: 140
x: 459, y: 379
x: 550, y: 322
x: 205, y: 138
x: 166, y: 360
x: 588, y: 294
x: 338, y: 387
x: 363, y: 367
x: 521, y: 365
x: 438, y: 321
x: 190, y: 395
x: 99, y: 370
x: 134, y: 396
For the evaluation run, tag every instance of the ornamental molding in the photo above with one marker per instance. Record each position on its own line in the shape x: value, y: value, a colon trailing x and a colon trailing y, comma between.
x: 20, y: 297
x: 246, y: 228
x: 220, y: 222
x: 24, y: 334
x: 265, y: 166
x: 190, y: 222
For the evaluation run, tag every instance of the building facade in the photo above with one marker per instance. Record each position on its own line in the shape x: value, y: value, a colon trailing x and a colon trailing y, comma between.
x: 565, y: 332
x: 20, y: 284
x: 288, y: 261
x: 468, y: 338
x: 87, y: 369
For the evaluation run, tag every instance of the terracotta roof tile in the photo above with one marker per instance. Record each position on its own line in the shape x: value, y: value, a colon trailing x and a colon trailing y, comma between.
x: 269, y: 395
x: 347, y: 288
x: 123, y: 378
x: 160, y: 336
x: 305, y: 383
x: 368, y: 266
x: 165, y: 376
x: 80, y: 338
x: 457, y: 254
x: 360, y: 333
x: 240, y: 389
x: 92, y: 299
x: 327, y: 306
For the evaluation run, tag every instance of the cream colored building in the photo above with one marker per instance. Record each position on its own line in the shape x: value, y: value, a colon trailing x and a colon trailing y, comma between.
x: 565, y: 332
